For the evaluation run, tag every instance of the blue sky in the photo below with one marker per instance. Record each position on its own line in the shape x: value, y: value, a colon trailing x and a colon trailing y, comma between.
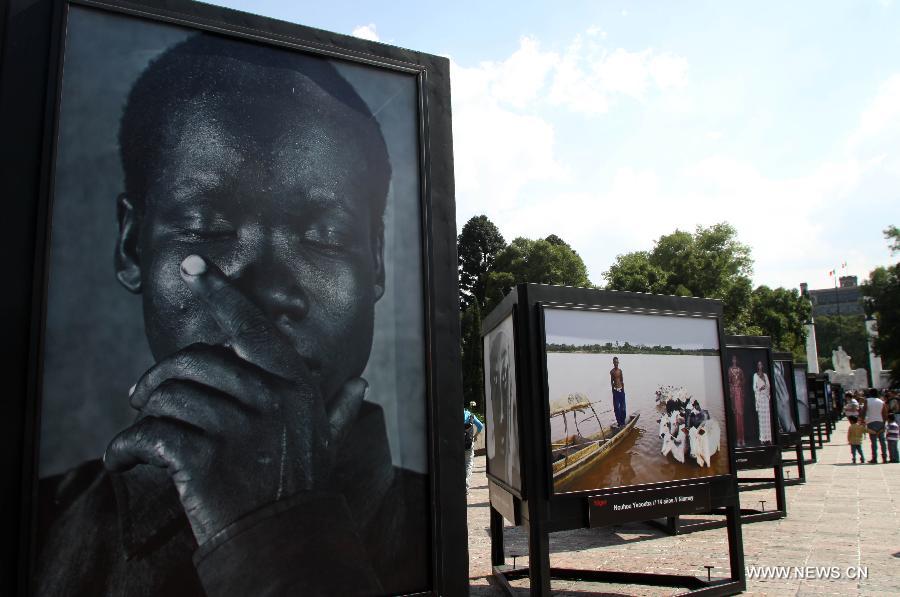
x: 612, y: 123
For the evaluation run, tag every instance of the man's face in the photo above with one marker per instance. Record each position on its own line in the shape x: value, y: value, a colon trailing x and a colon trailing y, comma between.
x: 615, y: 363
x: 271, y: 193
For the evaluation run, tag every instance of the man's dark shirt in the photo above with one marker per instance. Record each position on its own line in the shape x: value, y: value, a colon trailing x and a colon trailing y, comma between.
x: 127, y: 534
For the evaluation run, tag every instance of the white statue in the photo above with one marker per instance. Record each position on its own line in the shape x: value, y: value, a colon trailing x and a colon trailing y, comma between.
x: 841, y: 361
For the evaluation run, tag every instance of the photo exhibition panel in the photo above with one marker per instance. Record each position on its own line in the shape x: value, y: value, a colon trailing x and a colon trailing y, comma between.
x: 634, y: 398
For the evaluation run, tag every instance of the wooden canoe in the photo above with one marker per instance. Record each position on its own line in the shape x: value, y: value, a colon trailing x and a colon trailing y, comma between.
x: 580, y: 457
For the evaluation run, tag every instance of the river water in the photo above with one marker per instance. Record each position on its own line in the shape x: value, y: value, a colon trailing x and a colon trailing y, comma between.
x: 637, y: 459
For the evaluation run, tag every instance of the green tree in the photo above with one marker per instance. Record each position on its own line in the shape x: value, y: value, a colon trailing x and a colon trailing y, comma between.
x: 882, y: 291
x: 473, y: 358
x: 709, y: 263
x: 846, y: 331
x: 780, y: 313
x: 476, y: 247
x: 892, y: 233
x: 635, y: 272
x: 542, y: 261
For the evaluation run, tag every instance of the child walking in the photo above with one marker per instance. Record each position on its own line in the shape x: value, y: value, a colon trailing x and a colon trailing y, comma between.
x: 855, y: 435
x: 893, y: 436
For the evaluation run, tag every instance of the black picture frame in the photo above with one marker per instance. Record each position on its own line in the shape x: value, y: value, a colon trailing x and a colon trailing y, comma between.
x: 792, y: 441
x: 33, y: 41
x: 786, y: 359
x: 496, y: 317
x: 807, y: 431
x: 760, y: 456
x: 542, y: 510
x: 820, y: 407
x: 800, y: 372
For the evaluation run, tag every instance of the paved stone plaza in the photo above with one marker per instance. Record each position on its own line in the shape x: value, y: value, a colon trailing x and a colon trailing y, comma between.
x: 845, y: 516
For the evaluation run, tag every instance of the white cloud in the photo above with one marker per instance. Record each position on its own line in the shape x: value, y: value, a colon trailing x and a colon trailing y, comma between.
x: 497, y: 150
x: 507, y: 137
x: 519, y: 79
x: 878, y: 130
x: 366, y: 32
x: 504, y: 139
x: 590, y: 78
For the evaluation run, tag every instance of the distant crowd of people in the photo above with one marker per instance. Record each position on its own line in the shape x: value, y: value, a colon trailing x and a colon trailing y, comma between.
x: 875, y: 414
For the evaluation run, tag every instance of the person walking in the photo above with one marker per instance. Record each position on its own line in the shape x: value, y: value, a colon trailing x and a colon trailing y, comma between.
x: 874, y: 412
x: 893, y: 403
x: 472, y: 428
x: 892, y: 431
x: 851, y: 406
x: 855, y: 433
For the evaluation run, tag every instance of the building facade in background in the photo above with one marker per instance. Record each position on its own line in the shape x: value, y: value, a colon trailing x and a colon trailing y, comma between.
x: 846, y: 299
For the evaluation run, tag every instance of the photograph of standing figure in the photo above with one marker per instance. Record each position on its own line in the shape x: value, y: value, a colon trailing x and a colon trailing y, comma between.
x: 736, y: 391
x: 617, y: 381
x: 762, y: 393
x: 750, y: 392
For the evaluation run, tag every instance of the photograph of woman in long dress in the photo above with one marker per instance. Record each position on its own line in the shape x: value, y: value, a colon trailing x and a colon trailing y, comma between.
x: 762, y: 392
x: 736, y: 391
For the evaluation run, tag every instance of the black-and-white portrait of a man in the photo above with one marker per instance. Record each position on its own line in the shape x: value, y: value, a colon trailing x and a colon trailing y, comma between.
x: 261, y: 214
x: 500, y: 404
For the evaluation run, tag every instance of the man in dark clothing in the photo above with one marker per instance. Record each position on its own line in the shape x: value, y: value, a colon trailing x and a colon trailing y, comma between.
x: 251, y: 224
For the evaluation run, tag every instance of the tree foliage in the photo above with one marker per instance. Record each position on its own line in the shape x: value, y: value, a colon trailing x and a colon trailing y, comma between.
x: 543, y: 261
x: 477, y: 247
x: 473, y: 358
x: 709, y: 263
x: 780, y: 313
x: 892, y: 233
x: 488, y: 268
x: 845, y: 331
x: 882, y: 290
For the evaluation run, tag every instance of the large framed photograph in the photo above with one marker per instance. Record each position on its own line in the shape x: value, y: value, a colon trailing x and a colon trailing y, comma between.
x: 247, y: 356
x: 501, y: 406
x: 751, y: 395
x: 634, y: 398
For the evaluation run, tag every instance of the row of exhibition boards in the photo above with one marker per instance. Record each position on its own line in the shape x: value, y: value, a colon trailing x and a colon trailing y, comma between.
x: 607, y: 407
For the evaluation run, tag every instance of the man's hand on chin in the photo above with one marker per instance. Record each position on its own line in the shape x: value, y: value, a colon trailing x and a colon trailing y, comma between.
x: 236, y: 427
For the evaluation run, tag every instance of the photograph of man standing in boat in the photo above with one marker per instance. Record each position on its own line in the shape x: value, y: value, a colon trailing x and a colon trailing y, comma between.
x: 500, y: 401
x: 674, y: 425
x: 617, y: 381
x: 248, y: 195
